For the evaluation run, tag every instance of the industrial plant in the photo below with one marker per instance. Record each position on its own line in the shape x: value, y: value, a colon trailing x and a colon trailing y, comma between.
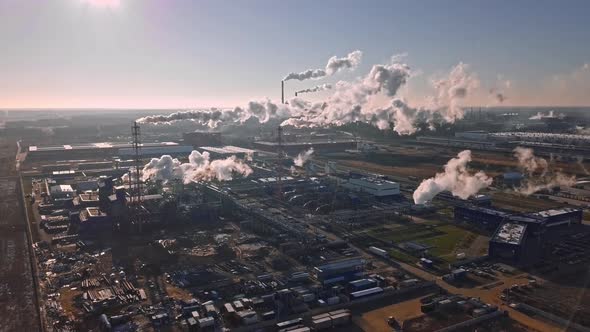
x: 297, y: 229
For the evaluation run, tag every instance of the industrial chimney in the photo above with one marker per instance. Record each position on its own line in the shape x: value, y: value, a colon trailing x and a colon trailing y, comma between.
x: 295, y: 93
x: 282, y: 92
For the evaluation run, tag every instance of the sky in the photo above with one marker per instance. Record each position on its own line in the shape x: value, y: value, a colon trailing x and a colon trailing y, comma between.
x: 189, y: 53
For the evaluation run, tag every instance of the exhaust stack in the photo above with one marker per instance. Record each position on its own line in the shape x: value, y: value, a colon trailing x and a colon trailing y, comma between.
x: 282, y: 92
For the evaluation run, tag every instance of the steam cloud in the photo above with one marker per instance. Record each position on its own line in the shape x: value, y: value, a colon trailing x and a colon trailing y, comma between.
x: 316, y: 88
x: 199, y: 168
x: 334, y: 65
x: 455, y: 178
x: 356, y: 101
x: 303, y: 157
x: 263, y: 111
x: 539, y: 175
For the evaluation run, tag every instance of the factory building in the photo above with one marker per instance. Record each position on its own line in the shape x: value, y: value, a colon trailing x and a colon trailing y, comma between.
x: 508, y: 242
x: 227, y: 151
x: 456, y: 142
x: 92, y: 221
x: 480, y: 216
x: 344, y: 270
x: 374, y: 186
x: 202, y: 138
x: 317, y: 145
x: 94, y: 151
x: 61, y: 191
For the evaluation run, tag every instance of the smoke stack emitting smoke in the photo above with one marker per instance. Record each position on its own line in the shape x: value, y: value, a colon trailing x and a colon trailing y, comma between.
x: 334, y: 65
x: 303, y: 157
x: 199, y: 168
x: 455, y: 178
x: 315, y: 89
x: 350, y: 102
x: 540, y: 176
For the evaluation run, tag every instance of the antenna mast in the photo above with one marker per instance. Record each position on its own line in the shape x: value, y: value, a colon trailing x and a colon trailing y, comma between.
x: 136, y: 185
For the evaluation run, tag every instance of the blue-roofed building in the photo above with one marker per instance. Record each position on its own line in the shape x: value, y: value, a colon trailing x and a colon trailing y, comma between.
x: 344, y: 270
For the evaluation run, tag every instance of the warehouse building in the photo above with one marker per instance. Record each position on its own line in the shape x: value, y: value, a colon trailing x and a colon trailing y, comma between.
x: 227, y: 151
x: 480, y: 216
x: 344, y: 270
x: 317, y: 145
x: 374, y: 186
x: 105, y: 150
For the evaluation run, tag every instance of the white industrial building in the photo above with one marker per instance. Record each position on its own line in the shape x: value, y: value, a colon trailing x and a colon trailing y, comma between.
x: 374, y: 186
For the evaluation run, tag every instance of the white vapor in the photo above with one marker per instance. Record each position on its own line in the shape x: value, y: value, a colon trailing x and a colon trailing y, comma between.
x: 360, y: 100
x: 316, y: 88
x: 199, y: 168
x: 455, y: 178
x: 540, y: 176
x: 334, y: 65
x: 303, y: 157
x: 263, y: 111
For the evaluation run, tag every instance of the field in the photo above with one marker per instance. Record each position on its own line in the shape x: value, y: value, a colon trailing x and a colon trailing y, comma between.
x: 443, y: 240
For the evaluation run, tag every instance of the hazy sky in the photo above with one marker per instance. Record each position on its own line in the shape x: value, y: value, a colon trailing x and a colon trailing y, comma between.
x: 189, y: 53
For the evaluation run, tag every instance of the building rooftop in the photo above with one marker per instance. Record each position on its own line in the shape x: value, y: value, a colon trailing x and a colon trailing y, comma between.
x: 230, y: 149
x: 101, y: 145
x: 554, y: 212
x: 310, y: 143
x: 510, y: 233
x: 95, y: 212
x: 61, y: 188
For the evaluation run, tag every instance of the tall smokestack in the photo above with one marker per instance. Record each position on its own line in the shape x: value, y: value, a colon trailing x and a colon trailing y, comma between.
x: 295, y: 93
x: 282, y: 92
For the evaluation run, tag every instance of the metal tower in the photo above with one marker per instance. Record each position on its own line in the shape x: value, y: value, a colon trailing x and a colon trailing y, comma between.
x: 136, y: 184
x: 280, y: 156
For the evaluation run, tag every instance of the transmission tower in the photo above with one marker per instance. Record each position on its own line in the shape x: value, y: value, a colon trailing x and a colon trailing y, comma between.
x: 280, y: 156
x: 136, y: 185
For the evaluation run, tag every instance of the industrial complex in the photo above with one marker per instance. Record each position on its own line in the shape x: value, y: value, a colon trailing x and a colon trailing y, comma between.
x: 293, y: 229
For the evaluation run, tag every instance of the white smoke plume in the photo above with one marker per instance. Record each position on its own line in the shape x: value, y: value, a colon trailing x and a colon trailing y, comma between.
x: 540, y: 176
x: 548, y: 115
x: 263, y: 111
x: 358, y: 101
x: 451, y: 90
x: 456, y: 178
x: 528, y: 162
x: 316, y: 88
x: 199, y: 168
x: 303, y: 157
x: 334, y: 65
x: 546, y: 182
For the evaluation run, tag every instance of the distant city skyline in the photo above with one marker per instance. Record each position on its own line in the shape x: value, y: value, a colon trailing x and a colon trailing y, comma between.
x: 156, y: 54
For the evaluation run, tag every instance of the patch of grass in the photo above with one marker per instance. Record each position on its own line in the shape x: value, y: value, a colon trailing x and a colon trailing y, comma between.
x: 445, y: 244
x: 409, y: 233
x: 401, y: 256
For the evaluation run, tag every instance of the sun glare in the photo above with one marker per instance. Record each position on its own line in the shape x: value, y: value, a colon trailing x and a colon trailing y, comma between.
x: 103, y: 3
